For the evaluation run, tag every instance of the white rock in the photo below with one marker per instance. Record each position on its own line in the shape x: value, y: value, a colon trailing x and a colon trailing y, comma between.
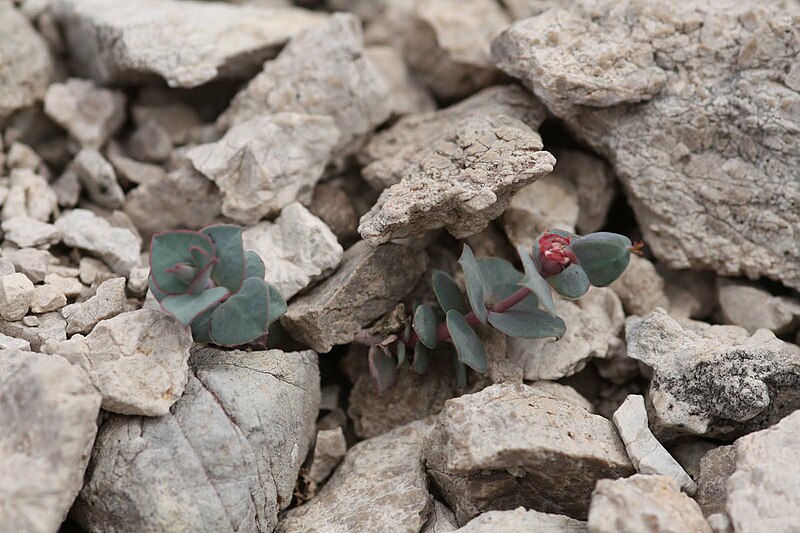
x: 98, y: 178
x: 138, y: 280
x: 565, y: 393
x: 641, y: 287
x: 328, y: 453
x: 106, y: 303
x: 6, y: 266
x: 32, y: 262
x: 520, y: 520
x: 52, y: 326
x: 13, y: 343
x: 27, y: 232
x: 93, y: 271
x: 29, y: 195
x: 749, y: 306
x: 16, y: 292
x: 131, y: 170
x: 91, y: 114
x: 21, y: 155
x: 118, y: 247
x: 32, y: 321
x: 47, y: 298
x: 406, y: 93
x: 175, y: 117
x: 69, y: 287
x: 441, y: 519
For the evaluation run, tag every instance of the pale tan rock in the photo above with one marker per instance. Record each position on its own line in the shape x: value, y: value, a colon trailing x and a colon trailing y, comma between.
x: 130, y: 169
x: 329, y: 450
x: 21, y: 155
x: 106, y: 303
x: 150, y: 142
x: 138, y: 280
x: 549, y: 203
x: 47, y: 298
x: 32, y: 262
x: 16, y: 293
x: 117, y: 247
x: 27, y: 232
x: 175, y: 117
x: 565, y: 393
x: 441, y: 519
x: 90, y: 114
x: 521, y: 519
x: 749, y: 306
x: 12, y: 343
x: 51, y: 326
x: 97, y: 176
x: 29, y: 195
x: 406, y: 93
x: 68, y: 286
x: 641, y: 287
x: 691, y: 294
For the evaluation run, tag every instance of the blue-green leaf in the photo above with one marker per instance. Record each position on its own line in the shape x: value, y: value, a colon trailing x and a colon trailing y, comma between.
x: 154, y: 289
x: 461, y: 373
x: 243, y: 317
x: 400, y: 348
x: 572, y: 283
x: 254, y: 265
x: 186, y: 307
x: 500, y: 278
x: 425, y: 325
x: 603, y: 256
x: 470, y: 349
x: 200, y: 325
x: 528, y: 322
x: 474, y: 282
x: 172, y: 248
x: 230, y: 270
x: 421, y: 357
x: 277, y: 304
x: 535, y: 282
x: 447, y: 292
x: 383, y: 369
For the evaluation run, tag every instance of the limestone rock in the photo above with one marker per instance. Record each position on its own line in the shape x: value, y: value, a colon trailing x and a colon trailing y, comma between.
x: 522, y: 9
x: 27, y: 232
x: 441, y: 519
x: 32, y: 262
x: 27, y: 66
x: 131, y: 170
x: 646, y: 453
x: 69, y: 287
x: 749, y: 306
x: 150, y: 142
x: 91, y: 114
x: 644, y: 504
x: 522, y: 520
x: 225, y: 458
x: 323, y: 71
x: 48, y: 412
x: 456, y: 168
x: 97, y: 176
x: 716, y: 467
x: 369, y: 283
x: 641, y: 287
x: 186, y: 43
x: 328, y: 452
x: 549, y: 203
x: 16, y: 292
x: 29, y: 195
x: 12, y: 343
x: 118, y: 247
x: 713, y: 381
x: 298, y: 249
x: 379, y: 487
x: 593, y: 324
x: 691, y: 294
x: 51, y: 326
x: 689, y: 453
x: 266, y: 163
x: 700, y: 126
x: 565, y: 393
x: 406, y: 93
x: 542, y: 453
x: 47, y: 298
x: 108, y: 302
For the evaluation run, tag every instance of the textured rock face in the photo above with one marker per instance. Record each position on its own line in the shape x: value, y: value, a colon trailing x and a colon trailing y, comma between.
x: 27, y: 66
x: 48, y: 412
x: 106, y: 303
x: 543, y: 453
x: 716, y: 467
x: 641, y: 287
x: 644, y: 504
x: 267, y: 163
x: 522, y: 520
x: 713, y: 380
x: 389, y: 468
x: 328, y: 453
x: 51, y: 326
x: 29, y: 195
x: 456, y: 168
x: 368, y: 284
x: 700, y: 125
x: 186, y: 43
x: 406, y: 93
x: 89, y: 113
x: 225, y: 459
x: 98, y: 178
x: 118, y: 247
x: 749, y: 306
x: 27, y: 232
x: 16, y: 294
x: 298, y: 249
x: 323, y: 71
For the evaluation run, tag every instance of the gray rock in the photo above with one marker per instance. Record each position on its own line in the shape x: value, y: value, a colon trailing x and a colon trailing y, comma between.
x: 21, y: 155
x: 12, y: 343
x: 329, y: 450
x: 98, y: 178
x: 298, y: 248
x: 6, y: 266
x: 521, y: 519
x: 187, y: 44
x: 457, y: 168
x: 48, y: 412
x: 131, y: 170
x: 224, y: 459
x: 47, y: 298
x: 51, y: 326
x: 646, y: 453
x: 549, y: 203
x: 150, y: 142
x: 333, y: 206
x: 29, y: 195
x: 406, y: 94
x: 644, y: 504
x: 175, y: 117
x: 641, y: 287
x: 542, y: 453
x: 16, y: 293
x: 379, y: 487
x: 27, y: 232
x: 266, y: 163
x: 441, y: 519
x: 716, y: 467
x: 68, y: 286
x: 368, y: 284
x: 108, y: 302
x: 138, y: 280
x: 91, y: 114
x: 565, y: 393
x: 118, y: 247
x: 689, y: 453
x: 714, y: 185
x: 136, y: 360
x: 713, y: 381
x: 749, y: 306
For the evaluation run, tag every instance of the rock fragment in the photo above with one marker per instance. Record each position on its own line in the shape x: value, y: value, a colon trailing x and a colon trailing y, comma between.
x: 106, y: 303
x: 521, y: 519
x: 32, y: 262
x: 29, y: 195
x: 150, y: 142
x: 47, y: 298
x: 328, y: 452
x: 12, y: 343
x: 27, y: 232
x: 69, y: 287
x: 97, y: 176
x: 91, y: 114
x: 175, y: 117
x: 118, y: 247
x: 749, y: 306
x: 406, y: 93
x: 549, y: 203
x: 16, y: 293
x: 641, y: 287
x: 333, y: 206
x: 716, y: 467
x: 565, y: 393
x: 51, y: 326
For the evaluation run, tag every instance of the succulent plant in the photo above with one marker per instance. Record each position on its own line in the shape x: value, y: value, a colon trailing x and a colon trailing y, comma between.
x: 206, y: 280
x: 518, y: 304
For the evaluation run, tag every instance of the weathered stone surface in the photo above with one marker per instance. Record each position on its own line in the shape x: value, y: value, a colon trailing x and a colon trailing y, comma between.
x: 565, y: 393
x: 98, y: 178
x: 333, y: 206
x: 369, y: 282
x: 457, y: 168
x: 27, y: 66
x: 521, y: 9
x: 48, y: 412
x: 150, y: 142
x: 12, y: 343
x: 691, y: 294
x: 16, y: 293
x: 298, y: 249
x: 441, y: 519
x: 186, y: 43
x: 174, y: 116
x: 27, y: 232
x: 70, y: 287
x: 406, y: 94
x: 91, y: 114
x: 131, y: 170
x: 549, y: 203
x: 543, y: 453
x: 32, y: 262
x: 47, y: 298
x: 226, y: 457
x: 749, y: 306
x: 644, y: 504
x: 713, y: 380
x: 646, y: 453
x: 379, y: 487
x: 328, y: 453
x: 522, y: 520
x: 136, y: 360
x: 699, y: 125
x: 593, y: 325
x: 51, y: 326
x: 641, y: 287
x: 716, y: 467
x: 29, y: 195
x: 106, y: 303
x: 267, y: 163
x: 118, y: 247
x: 689, y: 453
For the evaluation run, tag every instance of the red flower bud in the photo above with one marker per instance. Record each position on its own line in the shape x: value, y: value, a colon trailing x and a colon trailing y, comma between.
x: 554, y: 254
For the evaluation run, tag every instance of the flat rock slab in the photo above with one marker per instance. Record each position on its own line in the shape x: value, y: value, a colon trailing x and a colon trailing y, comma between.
x: 48, y: 412
x: 701, y: 126
x: 512, y: 445
x: 225, y: 459
x: 185, y: 43
x: 118, y: 247
x: 520, y: 520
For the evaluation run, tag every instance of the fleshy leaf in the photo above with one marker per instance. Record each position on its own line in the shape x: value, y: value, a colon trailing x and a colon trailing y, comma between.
x: 183, y: 271
x: 171, y: 248
x: 470, y: 349
x: 422, y: 356
x: 447, y: 292
x: 603, y: 256
x: 461, y: 373
x: 572, y: 283
x: 498, y: 276
x: 157, y: 293
x: 277, y: 304
x: 474, y: 282
x: 202, y: 280
x: 400, y: 348
x: 230, y: 270
x: 528, y: 322
x: 425, y: 325
x: 200, y: 325
x: 254, y: 265
x: 243, y: 317
x: 382, y: 368
x: 186, y: 307
x: 535, y: 282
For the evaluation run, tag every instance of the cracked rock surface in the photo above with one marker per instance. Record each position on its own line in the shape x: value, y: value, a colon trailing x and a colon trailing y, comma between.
x: 118, y: 247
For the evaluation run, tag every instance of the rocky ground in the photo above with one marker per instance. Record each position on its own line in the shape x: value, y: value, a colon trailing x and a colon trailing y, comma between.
x: 358, y: 141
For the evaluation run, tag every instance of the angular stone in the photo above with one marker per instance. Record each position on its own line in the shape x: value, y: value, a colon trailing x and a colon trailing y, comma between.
x: 565, y: 393
x: 21, y: 155
x: 521, y: 519
x: 543, y: 453
x: 47, y: 298
x: 118, y: 247
x: 716, y: 467
x: 266, y: 163
x: 328, y: 452
x: 333, y: 206
x: 689, y: 453
x: 749, y: 306
x: 406, y: 94
x: 456, y: 168
x: 69, y: 287
x: 48, y: 412
x: 138, y: 280
x: 16, y: 293
x: 27, y: 232
x: 441, y: 519
x: 323, y: 71
x: 93, y: 271
x: 225, y: 458
x: 12, y: 343
x: 175, y: 117
x: 91, y: 114
x: 522, y: 9
x: 51, y: 326
x: 150, y: 142
x: 700, y: 127
x: 106, y: 303
x: 136, y: 360
x: 691, y: 294
x: 187, y: 44
x: 389, y: 468
x: 641, y: 287
x: 29, y: 195
x: 98, y: 178
x: 298, y: 248
x: 131, y: 170
x: 593, y: 325
x: 644, y: 504
x: 27, y: 65
x: 646, y: 453
x: 368, y: 284
x: 713, y: 381
x: 549, y: 203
